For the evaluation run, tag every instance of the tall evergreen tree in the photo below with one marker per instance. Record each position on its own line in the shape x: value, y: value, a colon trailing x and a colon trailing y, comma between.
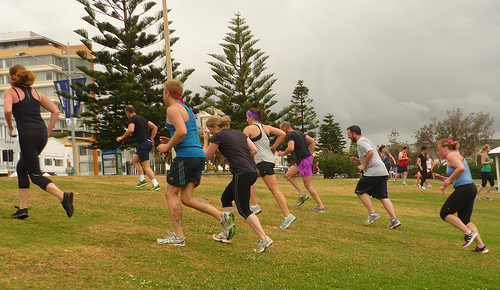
x: 330, y: 135
x: 125, y: 72
x: 301, y: 114
x: 241, y: 82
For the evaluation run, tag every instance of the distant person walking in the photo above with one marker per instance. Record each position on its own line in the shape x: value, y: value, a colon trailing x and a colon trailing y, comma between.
x: 386, y: 158
x: 402, y: 165
x: 185, y: 171
x: 238, y: 150
x: 24, y: 103
x: 302, y: 147
x: 374, y: 180
x: 259, y: 134
x: 139, y: 126
x: 486, y: 175
x: 461, y: 200
x: 70, y: 170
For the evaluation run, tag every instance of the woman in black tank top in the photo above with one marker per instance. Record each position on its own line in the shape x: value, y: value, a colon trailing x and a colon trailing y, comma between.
x: 24, y: 103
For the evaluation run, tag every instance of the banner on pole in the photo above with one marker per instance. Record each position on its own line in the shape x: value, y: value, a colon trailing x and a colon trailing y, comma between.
x: 63, y: 85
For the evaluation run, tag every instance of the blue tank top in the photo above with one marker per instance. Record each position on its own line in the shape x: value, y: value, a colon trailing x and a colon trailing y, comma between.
x: 464, y: 178
x: 190, y: 146
x: 27, y: 111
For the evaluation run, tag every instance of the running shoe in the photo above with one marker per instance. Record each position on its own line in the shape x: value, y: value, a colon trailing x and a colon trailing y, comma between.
x: 155, y: 188
x: 371, y: 218
x: 228, y: 224
x: 442, y: 189
x: 487, y: 198
x: 469, y: 239
x: 482, y: 250
x: 319, y: 209
x: 221, y: 237
x: 67, y: 203
x: 394, y: 182
x: 301, y: 200
x: 404, y: 183
x: 142, y: 183
x: 172, y: 240
x: 287, y: 221
x: 477, y: 197
x: 394, y: 223
x: 20, y: 213
x: 429, y: 185
x: 264, y: 244
x: 256, y: 209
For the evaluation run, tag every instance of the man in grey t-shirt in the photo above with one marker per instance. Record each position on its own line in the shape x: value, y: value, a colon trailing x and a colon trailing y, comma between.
x: 374, y: 180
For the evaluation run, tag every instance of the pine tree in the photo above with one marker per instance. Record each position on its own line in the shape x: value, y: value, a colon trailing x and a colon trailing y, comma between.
x: 330, y: 135
x: 125, y: 73
x: 239, y: 73
x: 301, y: 115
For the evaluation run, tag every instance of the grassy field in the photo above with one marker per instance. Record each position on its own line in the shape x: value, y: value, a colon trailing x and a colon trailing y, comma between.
x: 110, y: 242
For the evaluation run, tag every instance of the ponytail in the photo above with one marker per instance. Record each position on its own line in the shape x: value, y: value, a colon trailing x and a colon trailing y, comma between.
x: 21, y: 76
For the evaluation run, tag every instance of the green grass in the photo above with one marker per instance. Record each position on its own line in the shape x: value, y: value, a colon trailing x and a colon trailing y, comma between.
x: 110, y: 242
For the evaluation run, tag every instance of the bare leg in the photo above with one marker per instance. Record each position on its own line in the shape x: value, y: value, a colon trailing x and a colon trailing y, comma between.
x: 55, y: 191
x: 479, y: 189
x: 137, y: 164
x: 389, y: 207
x: 201, y: 205
x: 488, y: 191
x: 478, y: 239
x: 309, y: 186
x: 24, y: 193
x: 272, y: 184
x: 456, y: 222
x: 147, y: 169
x: 254, y: 223
x: 253, y: 195
x: 405, y: 176
x: 175, y: 208
x: 367, y: 202
x: 290, y: 176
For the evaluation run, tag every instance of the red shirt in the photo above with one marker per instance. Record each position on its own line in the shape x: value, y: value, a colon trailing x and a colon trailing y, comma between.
x: 403, y: 162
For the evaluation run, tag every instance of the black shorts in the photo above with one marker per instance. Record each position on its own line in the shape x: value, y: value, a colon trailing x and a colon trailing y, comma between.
x: 143, y: 150
x: 460, y: 201
x: 375, y: 186
x: 485, y: 177
x: 402, y: 169
x: 184, y: 170
x: 265, y: 168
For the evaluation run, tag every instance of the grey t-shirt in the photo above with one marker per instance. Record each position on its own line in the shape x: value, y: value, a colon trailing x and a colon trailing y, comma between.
x: 233, y: 145
x: 376, y: 167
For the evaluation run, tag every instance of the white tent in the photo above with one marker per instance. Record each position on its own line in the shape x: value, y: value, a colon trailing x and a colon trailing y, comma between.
x: 496, y: 152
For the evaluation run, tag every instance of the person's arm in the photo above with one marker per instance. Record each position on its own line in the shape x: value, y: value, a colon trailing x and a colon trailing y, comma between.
x: 289, y: 149
x: 483, y: 159
x: 354, y: 159
x: 392, y: 157
x: 418, y: 163
x: 209, y: 149
x: 48, y: 105
x: 7, y: 104
x: 253, y: 149
x: 154, y: 131
x: 130, y: 130
x: 280, y: 134
x: 176, y: 119
x: 368, y: 158
x: 312, y: 144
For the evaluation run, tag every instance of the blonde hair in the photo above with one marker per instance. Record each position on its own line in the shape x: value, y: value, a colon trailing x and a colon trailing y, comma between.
x: 174, y: 86
x: 221, y: 122
x: 21, y: 76
x: 446, y: 143
x: 484, y: 148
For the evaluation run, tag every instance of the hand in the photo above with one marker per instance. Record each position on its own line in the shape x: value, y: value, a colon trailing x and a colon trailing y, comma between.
x: 164, y: 140
x: 162, y: 148
x: 446, y: 182
x: 119, y: 139
x: 274, y: 150
x: 437, y: 176
x: 205, y: 135
x: 360, y: 167
x: 280, y: 153
x: 354, y: 159
x: 15, y: 135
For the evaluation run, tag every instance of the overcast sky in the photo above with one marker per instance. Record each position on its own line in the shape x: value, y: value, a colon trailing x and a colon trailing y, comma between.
x: 382, y: 65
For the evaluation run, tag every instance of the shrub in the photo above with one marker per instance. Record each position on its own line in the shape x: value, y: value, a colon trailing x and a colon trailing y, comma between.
x: 336, y: 163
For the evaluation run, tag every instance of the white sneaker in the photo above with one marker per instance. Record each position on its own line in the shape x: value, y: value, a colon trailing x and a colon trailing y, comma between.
x: 404, y: 183
x: 264, y: 244
x: 287, y: 221
x: 371, y: 218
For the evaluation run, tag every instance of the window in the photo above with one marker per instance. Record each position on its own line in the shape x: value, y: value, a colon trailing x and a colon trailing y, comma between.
x: 58, y: 162
x: 82, y: 150
x: 86, y: 166
x: 49, y: 76
x: 48, y: 162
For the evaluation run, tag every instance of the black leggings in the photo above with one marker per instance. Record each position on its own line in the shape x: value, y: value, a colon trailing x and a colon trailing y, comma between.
x: 239, y: 191
x: 485, y: 177
x: 461, y: 201
x: 32, y: 143
x: 423, y: 176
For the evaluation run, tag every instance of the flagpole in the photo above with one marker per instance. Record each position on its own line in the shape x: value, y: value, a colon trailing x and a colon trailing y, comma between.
x: 73, y: 137
x: 166, y: 33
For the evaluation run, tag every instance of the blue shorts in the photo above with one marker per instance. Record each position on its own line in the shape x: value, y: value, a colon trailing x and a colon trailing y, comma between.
x: 143, y: 150
x: 402, y: 169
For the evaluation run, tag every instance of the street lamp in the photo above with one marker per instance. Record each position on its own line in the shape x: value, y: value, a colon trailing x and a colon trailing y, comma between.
x: 72, y: 98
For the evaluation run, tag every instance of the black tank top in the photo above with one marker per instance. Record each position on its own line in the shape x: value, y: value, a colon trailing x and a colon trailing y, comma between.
x: 27, y: 111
